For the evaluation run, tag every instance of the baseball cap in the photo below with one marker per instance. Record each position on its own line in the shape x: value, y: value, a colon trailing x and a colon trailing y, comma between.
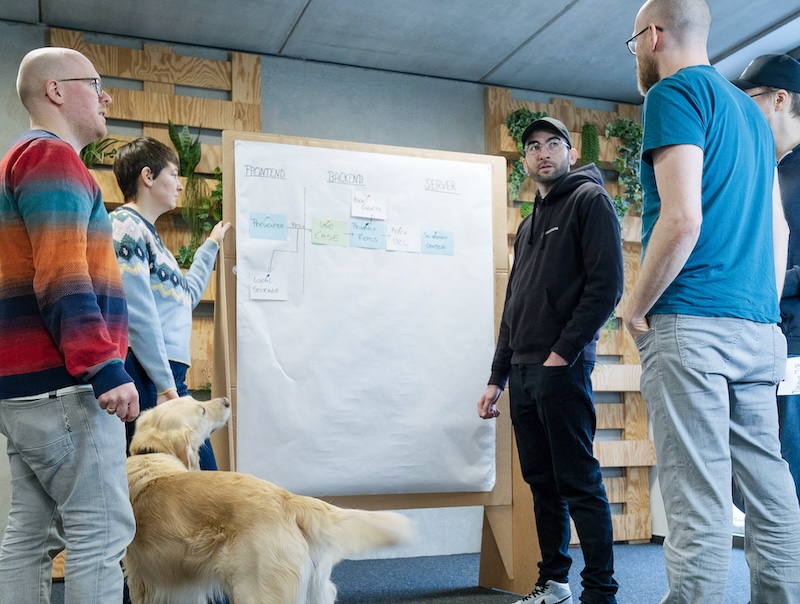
x: 773, y: 71
x: 547, y: 123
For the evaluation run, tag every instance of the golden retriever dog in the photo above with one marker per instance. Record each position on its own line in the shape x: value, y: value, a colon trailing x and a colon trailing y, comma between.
x: 199, y: 534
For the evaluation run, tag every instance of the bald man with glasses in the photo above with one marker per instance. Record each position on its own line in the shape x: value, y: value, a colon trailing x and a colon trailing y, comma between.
x: 64, y: 392
x: 704, y: 313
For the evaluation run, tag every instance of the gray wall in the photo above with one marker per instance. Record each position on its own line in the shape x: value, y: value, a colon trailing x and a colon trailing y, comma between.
x: 301, y: 98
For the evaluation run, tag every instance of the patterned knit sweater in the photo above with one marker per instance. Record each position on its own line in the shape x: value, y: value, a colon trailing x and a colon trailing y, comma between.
x: 160, y: 297
x: 63, y: 319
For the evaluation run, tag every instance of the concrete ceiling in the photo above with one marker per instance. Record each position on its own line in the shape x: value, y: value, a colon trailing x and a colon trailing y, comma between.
x: 563, y: 47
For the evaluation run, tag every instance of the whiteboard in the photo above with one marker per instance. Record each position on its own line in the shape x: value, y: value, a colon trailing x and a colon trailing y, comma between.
x: 364, y: 320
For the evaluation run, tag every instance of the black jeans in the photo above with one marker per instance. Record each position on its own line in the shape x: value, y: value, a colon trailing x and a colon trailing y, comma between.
x: 552, y: 411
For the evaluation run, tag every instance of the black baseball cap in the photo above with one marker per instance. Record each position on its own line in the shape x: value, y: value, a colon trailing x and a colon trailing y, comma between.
x: 547, y: 123
x: 773, y: 71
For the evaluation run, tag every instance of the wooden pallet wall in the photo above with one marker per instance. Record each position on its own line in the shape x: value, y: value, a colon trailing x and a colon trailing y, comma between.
x: 629, y: 453
x: 156, y: 70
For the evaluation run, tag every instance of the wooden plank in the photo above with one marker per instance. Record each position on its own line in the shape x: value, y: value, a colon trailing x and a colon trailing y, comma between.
x: 153, y: 66
x: 637, y: 491
x: 612, y: 341
x: 59, y: 563
x: 635, y: 427
x: 518, y: 572
x: 632, y: 228
x: 616, y: 378
x: 140, y: 106
x: 201, y: 371
x: 626, y: 527
x: 610, y: 416
x: 246, y: 83
x: 625, y: 453
x: 632, y: 527
x: 616, y: 489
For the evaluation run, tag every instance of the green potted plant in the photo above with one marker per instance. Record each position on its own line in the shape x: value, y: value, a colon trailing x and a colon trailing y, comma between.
x: 590, y: 144
x: 95, y: 152
x: 200, y: 205
x: 627, y: 164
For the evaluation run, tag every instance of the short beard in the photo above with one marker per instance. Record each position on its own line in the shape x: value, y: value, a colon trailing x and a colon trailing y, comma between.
x: 557, y: 173
x: 646, y: 73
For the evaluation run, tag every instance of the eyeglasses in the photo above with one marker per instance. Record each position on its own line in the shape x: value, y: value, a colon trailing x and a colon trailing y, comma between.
x: 631, y: 43
x: 752, y: 96
x: 96, y: 82
x: 551, y: 144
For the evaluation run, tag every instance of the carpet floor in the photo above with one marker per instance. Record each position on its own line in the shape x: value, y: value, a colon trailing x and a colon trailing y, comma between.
x: 639, y: 570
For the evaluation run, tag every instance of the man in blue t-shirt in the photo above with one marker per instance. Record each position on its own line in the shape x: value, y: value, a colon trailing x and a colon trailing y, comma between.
x: 704, y: 312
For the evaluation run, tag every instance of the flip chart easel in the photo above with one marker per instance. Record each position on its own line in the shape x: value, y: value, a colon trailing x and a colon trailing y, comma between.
x: 497, y: 550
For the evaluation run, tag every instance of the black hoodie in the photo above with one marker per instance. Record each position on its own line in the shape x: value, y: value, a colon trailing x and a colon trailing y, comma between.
x: 567, y: 276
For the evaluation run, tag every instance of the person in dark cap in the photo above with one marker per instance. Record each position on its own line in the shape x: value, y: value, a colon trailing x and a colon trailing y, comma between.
x: 773, y: 82
x: 566, y: 281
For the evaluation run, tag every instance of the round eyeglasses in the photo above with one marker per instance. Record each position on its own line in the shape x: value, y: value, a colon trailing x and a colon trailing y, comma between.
x: 551, y: 144
x: 631, y: 42
x: 96, y: 82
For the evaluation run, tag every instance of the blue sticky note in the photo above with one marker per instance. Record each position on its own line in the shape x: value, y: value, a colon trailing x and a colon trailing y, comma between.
x: 437, y: 242
x: 268, y: 226
x: 368, y: 233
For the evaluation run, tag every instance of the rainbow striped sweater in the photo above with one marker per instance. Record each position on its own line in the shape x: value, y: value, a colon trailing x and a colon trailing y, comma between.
x: 63, y: 318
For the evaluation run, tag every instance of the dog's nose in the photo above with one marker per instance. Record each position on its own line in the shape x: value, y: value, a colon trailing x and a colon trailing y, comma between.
x: 225, y: 401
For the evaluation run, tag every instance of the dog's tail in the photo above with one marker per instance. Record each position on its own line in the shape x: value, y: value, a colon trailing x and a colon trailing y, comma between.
x: 344, y: 532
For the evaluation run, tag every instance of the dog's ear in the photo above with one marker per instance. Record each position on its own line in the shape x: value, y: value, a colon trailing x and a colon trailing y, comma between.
x: 186, y: 451
x: 193, y: 458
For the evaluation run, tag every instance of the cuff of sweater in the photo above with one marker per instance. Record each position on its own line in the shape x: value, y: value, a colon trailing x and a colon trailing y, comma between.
x: 109, y: 377
x: 499, y: 380
x: 566, y: 352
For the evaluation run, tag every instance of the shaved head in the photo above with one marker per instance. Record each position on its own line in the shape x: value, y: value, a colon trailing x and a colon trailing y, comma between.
x: 688, y: 21
x: 41, y: 65
x: 63, y: 94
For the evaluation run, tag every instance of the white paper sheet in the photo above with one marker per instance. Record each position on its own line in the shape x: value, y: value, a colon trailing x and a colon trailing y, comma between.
x: 361, y: 374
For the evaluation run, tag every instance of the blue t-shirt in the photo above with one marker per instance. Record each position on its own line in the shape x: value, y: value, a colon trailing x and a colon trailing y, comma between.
x: 730, y: 272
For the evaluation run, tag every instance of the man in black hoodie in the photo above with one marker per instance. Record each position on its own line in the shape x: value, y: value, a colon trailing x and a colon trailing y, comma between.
x: 566, y: 281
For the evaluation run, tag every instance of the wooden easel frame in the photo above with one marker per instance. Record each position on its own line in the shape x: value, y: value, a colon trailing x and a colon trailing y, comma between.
x: 498, y: 533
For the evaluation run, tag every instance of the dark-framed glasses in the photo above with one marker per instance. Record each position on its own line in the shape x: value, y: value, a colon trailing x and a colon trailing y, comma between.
x: 96, y: 82
x: 551, y: 144
x: 631, y: 42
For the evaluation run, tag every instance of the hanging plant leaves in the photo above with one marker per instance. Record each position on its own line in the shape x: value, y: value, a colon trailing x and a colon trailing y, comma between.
x: 188, y: 150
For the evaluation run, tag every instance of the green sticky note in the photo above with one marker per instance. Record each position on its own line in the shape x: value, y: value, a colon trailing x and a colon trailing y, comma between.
x: 326, y: 231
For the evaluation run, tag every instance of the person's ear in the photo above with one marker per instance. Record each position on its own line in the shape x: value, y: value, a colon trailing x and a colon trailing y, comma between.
x: 147, y: 176
x: 573, y: 156
x: 780, y: 99
x: 53, y: 92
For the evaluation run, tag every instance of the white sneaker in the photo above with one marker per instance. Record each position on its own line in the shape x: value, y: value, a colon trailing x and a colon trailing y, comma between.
x: 549, y: 593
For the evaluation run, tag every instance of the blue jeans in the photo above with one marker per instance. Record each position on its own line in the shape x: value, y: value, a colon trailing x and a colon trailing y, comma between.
x: 552, y: 411
x: 709, y: 384
x: 68, y: 487
x: 148, y: 396
x: 789, y: 418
